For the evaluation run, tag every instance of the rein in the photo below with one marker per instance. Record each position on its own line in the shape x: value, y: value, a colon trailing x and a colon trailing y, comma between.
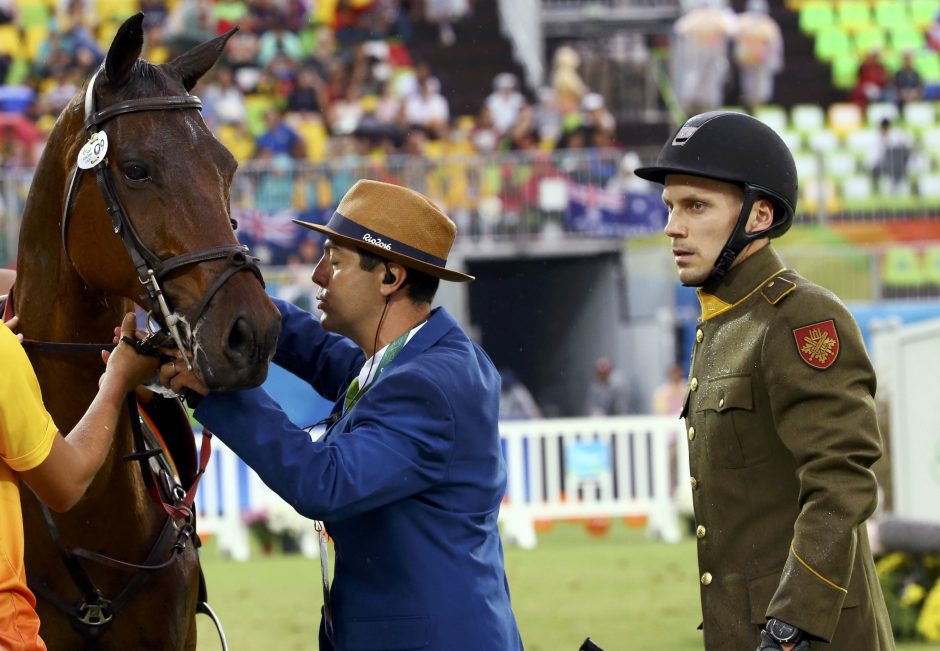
x: 150, y: 268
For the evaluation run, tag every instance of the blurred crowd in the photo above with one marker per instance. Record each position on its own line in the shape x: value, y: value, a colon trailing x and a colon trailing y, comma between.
x: 299, y: 80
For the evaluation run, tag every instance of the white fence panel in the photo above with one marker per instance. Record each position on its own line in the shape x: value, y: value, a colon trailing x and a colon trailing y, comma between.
x: 557, y: 469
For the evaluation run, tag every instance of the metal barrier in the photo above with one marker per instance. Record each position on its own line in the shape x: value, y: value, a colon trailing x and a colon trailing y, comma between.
x: 575, y: 468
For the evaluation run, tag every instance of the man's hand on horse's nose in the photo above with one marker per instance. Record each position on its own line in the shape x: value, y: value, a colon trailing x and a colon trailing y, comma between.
x: 177, y: 375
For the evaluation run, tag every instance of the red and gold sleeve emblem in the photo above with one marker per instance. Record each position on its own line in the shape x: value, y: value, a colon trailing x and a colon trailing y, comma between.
x: 818, y: 343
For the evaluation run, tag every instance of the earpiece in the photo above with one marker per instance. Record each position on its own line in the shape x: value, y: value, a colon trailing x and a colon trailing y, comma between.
x: 389, y: 276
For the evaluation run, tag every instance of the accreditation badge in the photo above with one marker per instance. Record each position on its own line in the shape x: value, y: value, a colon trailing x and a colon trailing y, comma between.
x: 818, y: 343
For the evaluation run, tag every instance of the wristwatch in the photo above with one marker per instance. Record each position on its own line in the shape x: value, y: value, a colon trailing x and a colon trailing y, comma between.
x: 783, y: 633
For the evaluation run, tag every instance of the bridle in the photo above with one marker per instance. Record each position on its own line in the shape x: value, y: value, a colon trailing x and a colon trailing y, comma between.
x: 151, y: 270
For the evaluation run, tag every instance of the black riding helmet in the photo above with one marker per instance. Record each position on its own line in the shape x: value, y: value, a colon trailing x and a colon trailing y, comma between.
x: 735, y: 148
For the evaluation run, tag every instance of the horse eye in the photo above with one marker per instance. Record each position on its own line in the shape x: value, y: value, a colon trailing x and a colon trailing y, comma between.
x: 135, y: 172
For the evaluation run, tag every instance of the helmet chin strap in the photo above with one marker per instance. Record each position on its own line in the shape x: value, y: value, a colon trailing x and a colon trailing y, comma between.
x: 737, y: 241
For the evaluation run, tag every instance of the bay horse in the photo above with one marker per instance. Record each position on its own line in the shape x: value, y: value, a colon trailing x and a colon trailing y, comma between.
x: 142, y: 218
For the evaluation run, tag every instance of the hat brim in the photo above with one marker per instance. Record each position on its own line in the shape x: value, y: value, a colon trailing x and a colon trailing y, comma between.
x: 658, y: 174
x: 432, y: 270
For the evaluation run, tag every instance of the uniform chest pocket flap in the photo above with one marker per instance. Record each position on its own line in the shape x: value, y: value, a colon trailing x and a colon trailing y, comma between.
x: 724, y: 417
x: 725, y: 393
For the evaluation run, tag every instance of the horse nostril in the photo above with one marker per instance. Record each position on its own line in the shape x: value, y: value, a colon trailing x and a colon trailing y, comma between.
x: 240, y: 338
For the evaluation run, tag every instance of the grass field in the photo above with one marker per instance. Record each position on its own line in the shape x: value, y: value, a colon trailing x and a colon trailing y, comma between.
x: 626, y: 592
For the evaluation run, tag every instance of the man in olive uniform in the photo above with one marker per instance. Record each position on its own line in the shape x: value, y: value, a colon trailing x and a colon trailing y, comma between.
x: 780, y: 410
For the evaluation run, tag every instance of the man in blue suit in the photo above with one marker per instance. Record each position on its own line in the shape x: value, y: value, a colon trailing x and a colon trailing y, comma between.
x: 409, y: 475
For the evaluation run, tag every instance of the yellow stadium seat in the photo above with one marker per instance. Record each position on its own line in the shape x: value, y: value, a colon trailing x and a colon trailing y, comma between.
x: 315, y: 137
x: 10, y: 42
x: 844, y: 118
x: 35, y: 37
x: 853, y: 15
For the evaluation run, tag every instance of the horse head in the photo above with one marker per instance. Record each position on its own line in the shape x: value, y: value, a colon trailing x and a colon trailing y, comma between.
x: 156, y: 227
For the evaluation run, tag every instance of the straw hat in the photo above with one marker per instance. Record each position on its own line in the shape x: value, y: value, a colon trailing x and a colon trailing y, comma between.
x: 395, y: 223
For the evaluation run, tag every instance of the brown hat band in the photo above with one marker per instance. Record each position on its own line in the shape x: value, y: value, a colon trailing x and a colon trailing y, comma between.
x: 342, y: 225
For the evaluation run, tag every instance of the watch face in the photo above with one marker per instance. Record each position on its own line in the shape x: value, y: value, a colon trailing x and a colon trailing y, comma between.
x: 781, y: 631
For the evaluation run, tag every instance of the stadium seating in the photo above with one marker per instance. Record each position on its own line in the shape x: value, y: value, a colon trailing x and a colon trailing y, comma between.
x: 901, y: 273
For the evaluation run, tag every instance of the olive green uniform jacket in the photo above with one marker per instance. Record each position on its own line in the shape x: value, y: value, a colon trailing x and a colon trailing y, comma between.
x: 782, y: 434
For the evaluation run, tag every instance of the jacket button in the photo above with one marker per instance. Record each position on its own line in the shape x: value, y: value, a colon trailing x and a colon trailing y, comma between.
x: 707, y: 578
x: 694, y: 482
x: 693, y: 384
x: 699, y: 335
x: 721, y: 403
x: 691, y: 433
x: 700, y: 532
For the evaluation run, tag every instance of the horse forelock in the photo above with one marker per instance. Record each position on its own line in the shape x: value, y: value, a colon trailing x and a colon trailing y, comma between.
x: 147, y: 80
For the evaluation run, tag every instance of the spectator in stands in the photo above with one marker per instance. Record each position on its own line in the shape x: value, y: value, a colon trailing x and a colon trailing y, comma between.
x: 444, y: 13
x: 780, y: 412
x: 597, y: 117
x: 668, y: 396
x: 279, y: 41
x: 758, y: 52
x: 279, y: 137
x: 890, y: 158
x: 222, y: 100
x: 505, y: 102
x: 626, y: 181
x: 908, y: 84
x: 428, y: 109
x: 607, y: 393
x: 699, y: 58
x: 515, y: 400
x: 409, y: 475
x: 308, y: 96
x: 872, y: 80
x: 547, y: 116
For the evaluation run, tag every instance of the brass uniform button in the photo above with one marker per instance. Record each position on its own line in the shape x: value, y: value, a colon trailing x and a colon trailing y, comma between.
x: 691, y: 433
x: 699, y: 335
x: 694, y: 482
x: 693, y: 384
x: 721, y: 403
x: 707, y: 578
x: 700, y: 532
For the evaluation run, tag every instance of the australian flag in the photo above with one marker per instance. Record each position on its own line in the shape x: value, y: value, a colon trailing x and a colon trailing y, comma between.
x: 598, y: 212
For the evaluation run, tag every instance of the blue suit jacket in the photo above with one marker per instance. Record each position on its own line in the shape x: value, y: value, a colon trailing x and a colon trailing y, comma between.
x: 409, y: 483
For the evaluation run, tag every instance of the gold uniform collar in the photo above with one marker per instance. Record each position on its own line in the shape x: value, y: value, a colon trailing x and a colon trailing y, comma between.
x: 740, y: 283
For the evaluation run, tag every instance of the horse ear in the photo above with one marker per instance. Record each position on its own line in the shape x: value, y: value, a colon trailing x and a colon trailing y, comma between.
x: 191, y: 65
x: 125, y: 49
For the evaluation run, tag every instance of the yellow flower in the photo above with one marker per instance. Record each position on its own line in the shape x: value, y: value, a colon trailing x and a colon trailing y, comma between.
x: 887, y: 564
x: 928, y: 623
x: 913, y: 594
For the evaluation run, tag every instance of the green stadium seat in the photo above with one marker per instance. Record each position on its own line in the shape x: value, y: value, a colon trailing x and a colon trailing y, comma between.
x: 792, y: 139
x: 901, y: 269
x: 930, y: 139
x: 856, y: 187
x: 928, y: 65
x: 839, y: 164
x: 255, y: 107
x: 806, y: 118
x: 928, y: 185
x: 923, y: 12
x: 816, y: 15
x: 906, y: 38
x: 845, y: 71
x: 853, y: 15
x: 931, y: 265
x: 869, y: 39
x: 773, y: 115
x: 32, y: 14
x: 823, y: 140
x: 891, y: 14
x: 807, y: 165
x: 862, y: 142
x: 892, y: 60
x: 878, y: 111
x: 918, y: 116
x: 831, y: 42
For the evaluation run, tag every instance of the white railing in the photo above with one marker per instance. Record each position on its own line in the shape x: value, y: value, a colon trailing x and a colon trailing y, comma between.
x: 557, y: 469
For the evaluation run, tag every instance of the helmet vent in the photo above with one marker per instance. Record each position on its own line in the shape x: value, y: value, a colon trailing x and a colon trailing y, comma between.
x: 683, y: 136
